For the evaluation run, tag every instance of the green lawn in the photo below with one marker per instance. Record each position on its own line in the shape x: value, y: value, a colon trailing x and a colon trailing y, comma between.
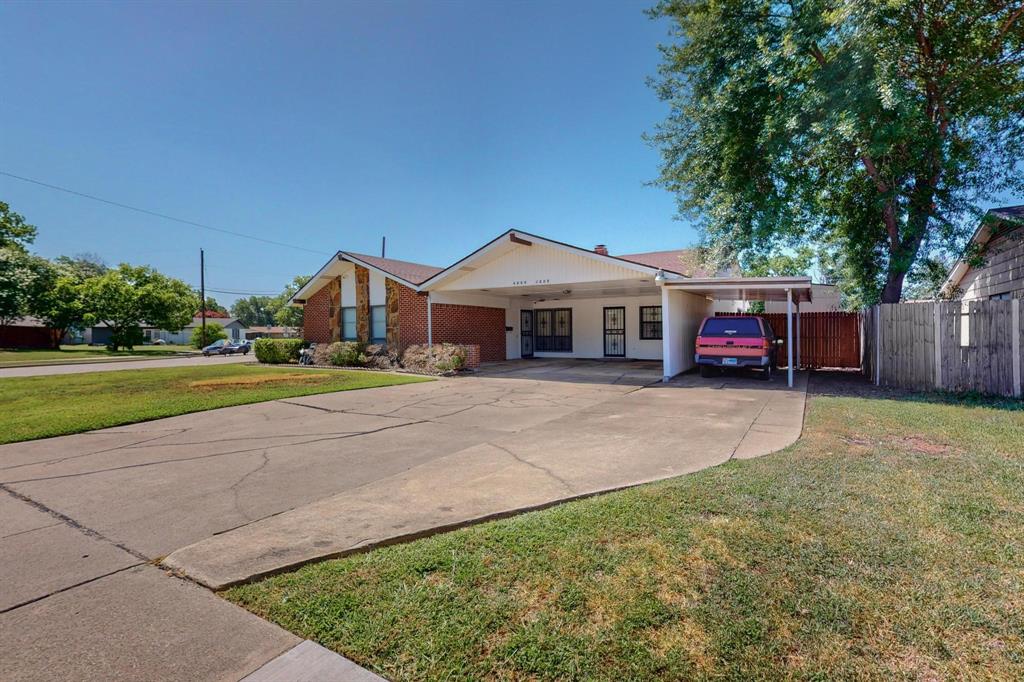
x: 37, y: 407
x: 888, y: 543
x: 19, y: 356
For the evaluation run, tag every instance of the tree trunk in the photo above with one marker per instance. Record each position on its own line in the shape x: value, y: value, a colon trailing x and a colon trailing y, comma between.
x: 893, y: 289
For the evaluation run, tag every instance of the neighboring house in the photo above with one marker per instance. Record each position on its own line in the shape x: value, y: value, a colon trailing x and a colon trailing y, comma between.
x: 1000, y: 238
x: 522, y: 295
x: 100, y: 334
x: 28, y: 332
x: 233, y: 327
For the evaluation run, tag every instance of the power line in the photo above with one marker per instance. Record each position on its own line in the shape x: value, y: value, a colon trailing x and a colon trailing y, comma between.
x: 242, y: 293
x: 161, y: 215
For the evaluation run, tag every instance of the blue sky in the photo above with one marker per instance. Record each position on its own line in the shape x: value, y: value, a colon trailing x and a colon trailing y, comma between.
x: 328, y: 125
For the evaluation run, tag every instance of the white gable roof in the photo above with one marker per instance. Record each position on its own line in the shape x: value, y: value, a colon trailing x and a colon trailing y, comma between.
x: 519, y: 258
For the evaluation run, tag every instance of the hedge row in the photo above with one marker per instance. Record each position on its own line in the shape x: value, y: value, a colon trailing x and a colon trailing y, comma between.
x: 278, y: 351
x: 441, y: 358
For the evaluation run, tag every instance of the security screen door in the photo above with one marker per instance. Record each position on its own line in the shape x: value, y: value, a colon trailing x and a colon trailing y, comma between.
x: 615, y: 332
x: 526, y: 333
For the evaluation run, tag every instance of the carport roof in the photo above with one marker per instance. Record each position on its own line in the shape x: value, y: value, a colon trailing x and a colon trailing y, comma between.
x: 746, y: 288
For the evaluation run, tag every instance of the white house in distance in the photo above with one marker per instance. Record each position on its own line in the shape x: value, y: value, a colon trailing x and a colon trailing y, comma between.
x: 521, y: 295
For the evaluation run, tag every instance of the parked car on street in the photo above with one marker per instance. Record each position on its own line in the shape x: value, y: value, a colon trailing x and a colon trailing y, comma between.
x: 225, y: 347
x: 745, y: 341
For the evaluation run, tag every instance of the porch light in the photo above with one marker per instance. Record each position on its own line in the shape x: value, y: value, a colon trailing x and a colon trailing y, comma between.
x: 660, y: 276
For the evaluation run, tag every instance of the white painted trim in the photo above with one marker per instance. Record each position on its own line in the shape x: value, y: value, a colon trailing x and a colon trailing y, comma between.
x: 798, y: 338
x: 789, y: 337
x: 453, y: 270
x: 354, y: 259
x: 1015, y: 345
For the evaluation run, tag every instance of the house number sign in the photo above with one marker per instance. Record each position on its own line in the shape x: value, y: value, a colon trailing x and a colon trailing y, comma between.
x: 536, y: 281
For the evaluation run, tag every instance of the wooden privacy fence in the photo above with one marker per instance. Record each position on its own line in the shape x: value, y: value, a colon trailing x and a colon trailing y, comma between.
x: 951, y: 346
x: 826, y: 339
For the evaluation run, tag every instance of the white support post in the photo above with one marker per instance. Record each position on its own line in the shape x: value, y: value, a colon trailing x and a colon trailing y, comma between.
x: 789, y: 336
x: 798, y: 337
x: 430, y: 323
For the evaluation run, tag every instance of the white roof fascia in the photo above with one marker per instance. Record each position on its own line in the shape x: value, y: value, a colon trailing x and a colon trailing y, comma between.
x: 453, y: 269
x: 355, y: 259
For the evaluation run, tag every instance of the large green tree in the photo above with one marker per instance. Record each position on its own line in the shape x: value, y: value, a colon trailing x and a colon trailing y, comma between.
x: 19, y: 270
x: 14, y: 231
x: 286, y: 315
x: 255, y: 311
x: 870, y: 128
x: 127, y: 297
x: 57, y: 296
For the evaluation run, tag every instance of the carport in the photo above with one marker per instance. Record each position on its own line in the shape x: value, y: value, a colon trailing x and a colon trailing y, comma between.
x: 792, y: 290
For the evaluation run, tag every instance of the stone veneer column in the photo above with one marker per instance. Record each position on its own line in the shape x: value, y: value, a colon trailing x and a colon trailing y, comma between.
x: 362, y: 304
x: 393, y: 336
x: 334, y: 293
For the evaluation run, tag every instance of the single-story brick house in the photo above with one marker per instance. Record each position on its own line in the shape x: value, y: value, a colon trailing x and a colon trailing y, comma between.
x: 522, y: 295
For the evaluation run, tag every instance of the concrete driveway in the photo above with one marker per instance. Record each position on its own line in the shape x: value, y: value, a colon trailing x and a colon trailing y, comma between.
x: 226, y: 495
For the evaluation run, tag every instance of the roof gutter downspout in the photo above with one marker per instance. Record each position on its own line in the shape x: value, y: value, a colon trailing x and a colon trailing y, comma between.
x: 430, y: 323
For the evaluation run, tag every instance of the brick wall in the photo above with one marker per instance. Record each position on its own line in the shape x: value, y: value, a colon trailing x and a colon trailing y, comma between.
x: 412, y: 317
x: 473, y: 356
x: 316, y: 318
x: 471, y: 324
x: 465, y: 324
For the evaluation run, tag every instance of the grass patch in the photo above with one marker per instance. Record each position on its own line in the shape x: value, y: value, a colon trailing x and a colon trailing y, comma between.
x: 38, y: 407
x: 887, y: 543
x: 31, y: 356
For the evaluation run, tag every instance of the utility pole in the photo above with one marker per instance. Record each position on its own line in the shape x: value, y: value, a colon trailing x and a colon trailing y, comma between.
x: 383, y: 243
x: 202, y: 291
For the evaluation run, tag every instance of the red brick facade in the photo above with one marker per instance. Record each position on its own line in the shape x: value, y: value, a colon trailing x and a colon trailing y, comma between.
x: 464, y: 324
x: 471, y: 324
x: 316, y: 317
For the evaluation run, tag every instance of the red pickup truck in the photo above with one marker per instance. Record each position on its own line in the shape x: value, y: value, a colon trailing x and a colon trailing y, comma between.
x: 742, y: 341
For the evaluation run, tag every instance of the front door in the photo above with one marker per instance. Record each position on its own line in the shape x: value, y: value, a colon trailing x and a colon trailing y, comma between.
x: 615, y: 332
x: 526, y: 333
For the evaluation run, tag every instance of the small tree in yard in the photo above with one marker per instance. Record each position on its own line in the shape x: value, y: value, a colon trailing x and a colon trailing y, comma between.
x: 126, y: 297
x: 871, y: 129
x: 214, y: 332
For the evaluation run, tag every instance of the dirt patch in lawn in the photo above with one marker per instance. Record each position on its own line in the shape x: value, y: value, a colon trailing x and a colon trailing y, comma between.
x: 924, y: 446
x: 258, y: 381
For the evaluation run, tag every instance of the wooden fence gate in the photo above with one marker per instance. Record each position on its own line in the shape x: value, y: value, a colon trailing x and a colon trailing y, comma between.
x: 826, y: 339
x: 951, y: 346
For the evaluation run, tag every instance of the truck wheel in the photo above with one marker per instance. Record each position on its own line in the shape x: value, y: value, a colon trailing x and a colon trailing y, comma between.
x: 766, y: 373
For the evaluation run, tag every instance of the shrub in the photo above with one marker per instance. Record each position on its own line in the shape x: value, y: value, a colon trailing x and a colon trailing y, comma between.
x: 278, y: 351
x: 214, y: 332
x: 347, y: 354
x: 441, y: 358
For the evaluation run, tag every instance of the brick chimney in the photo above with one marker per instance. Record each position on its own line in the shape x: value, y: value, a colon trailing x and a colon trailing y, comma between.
x: 601, y: 249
